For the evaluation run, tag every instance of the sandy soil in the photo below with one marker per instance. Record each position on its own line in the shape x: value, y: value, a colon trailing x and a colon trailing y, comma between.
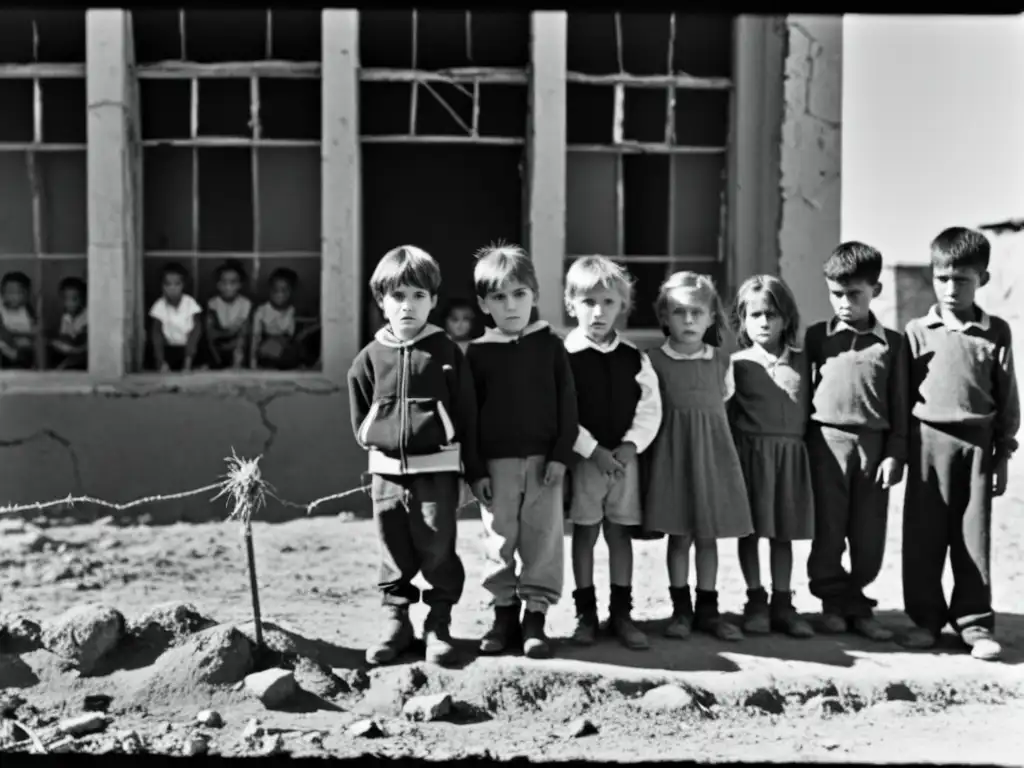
x: 316, y: 578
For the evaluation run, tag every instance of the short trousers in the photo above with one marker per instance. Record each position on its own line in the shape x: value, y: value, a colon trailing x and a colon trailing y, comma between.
x: 597, y: 497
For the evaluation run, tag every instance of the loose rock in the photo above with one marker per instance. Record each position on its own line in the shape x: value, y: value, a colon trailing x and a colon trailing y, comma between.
x: 767, y: 700
x: 428, y: 708
x: 824, y: 706
x: 9, y: 703
x: 272, y: 744
x: 579, y: 728
x: 899, y: 692
x: 253, y: 730
x: 18, y: 635
x: 272, y: 686
x: 83, y: 724
x: 97, y: 702
x: 365, y: 729
x: 210, y: 718
x: 61, y: 746
x: 829, y: 745
x: 317, y: 678
x: 129, y: 742
x: 220, y: 655
x: 84, y: 634
x: 195, y: 744
x: 666, y: 698
x: 169, y: 623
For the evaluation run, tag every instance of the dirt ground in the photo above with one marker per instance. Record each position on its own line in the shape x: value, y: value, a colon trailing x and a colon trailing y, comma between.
x: 316, y: 579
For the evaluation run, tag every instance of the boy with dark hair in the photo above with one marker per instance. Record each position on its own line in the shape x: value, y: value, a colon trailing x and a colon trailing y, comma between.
x: 965, y: 413
x: 856, y: 439
x: 527, y: 427
x: 70, y: 347
x: 413, y: 408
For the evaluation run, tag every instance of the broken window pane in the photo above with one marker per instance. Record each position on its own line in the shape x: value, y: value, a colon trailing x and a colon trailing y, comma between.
x: 16, y: 114
x: 296, y: 35
x: 590, y: 207
x: 226, y: 35
x: 441, y: 39
x: 289, y: 187
x: 502, y: 110
x: 697, y: 203
x: 167, y: 198
x: 225, y: 199
x: 444, y: 109
x: 224, y: 107
x: 645, y: 113
x: 588, y: 114
x: 289, y: 108
x: 15, y: 205
x: 164, y: 107
x: 384, y: 108
x: 64, y: 195
x: 646, y: 199
x: 702, y: 118
x: 156, y: 34
x: 63, y: 111
x: 591, y: 43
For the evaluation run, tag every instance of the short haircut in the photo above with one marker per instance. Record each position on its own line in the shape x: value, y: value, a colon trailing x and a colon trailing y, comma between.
x: 459, y: 303
x: 231, y: 265
x: 702, y: 285
x: 174, y: 268
x: 781, y: 299
x: 854, y: 261
x: 499, y: 263
x: 284, y: 274
x: 72, y: 284
x: 591, y: 273
x: 405, y: 265
x: 18, y: 278
x: 961, y: 247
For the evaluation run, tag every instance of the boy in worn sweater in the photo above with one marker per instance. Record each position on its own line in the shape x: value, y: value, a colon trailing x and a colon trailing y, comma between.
x: 413, y: 405
x: 856, y: 440
x: 965, y: 413
x: 527, y: 427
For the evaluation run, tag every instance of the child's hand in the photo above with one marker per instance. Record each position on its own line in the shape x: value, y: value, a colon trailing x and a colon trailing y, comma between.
x: 554, y: 472
x: 605, y: 461
x: 482, y: 490
x: 890, y: 473
x: 1000, y: 474
x: 624, y: 454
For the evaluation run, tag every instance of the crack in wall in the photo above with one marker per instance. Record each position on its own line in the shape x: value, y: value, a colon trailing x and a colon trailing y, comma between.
x: 814, y: 48
x: 271, y: 427
x: 49, y: 434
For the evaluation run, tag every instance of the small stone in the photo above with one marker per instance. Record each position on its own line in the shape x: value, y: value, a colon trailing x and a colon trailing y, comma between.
x: 271, y: 686
x: 97, y: 702
x: 195, y: 744
x: 899, y: 692
x: 272, y: 744
x: 168, y: 623
x: 365, y: 729
x: 253, y: 730
x: 829, y: 745
x: 84, y: 634
x: 61, y: 746
x: 579, y: 728
x: 129, y: 742
x: 767, y: 700
x: 18, y: 635
x: 316, y: 738
x: 428, y: 708
x: 824, y: 706
x: 106, y: 521
x: 347, y: 517
x: 10, y: 701
x: 83, y: 724
x: 666, y: 698
x: 210, y: 718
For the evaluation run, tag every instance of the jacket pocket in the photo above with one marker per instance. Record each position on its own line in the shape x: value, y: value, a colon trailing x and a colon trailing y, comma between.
x: 382, y: 427
x: 427, y: 426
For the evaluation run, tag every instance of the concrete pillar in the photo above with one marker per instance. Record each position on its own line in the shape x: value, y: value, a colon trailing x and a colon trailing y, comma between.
x: 545, y: 150
x: 341, y: 291
x: 111, y: 202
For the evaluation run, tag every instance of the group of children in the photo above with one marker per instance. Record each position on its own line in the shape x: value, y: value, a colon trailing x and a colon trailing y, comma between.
x: 688, y: 442
x: 234, y: 334
x: 24, y: 344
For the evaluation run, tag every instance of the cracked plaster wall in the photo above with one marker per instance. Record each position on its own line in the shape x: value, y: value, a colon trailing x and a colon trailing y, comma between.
x: 811, y: 156
x: 129, y: 444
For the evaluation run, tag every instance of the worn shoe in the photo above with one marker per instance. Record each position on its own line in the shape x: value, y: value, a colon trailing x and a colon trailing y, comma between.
x: 437, y: 634
x: 918, y: 639
x: 535, y: 642
x: 982, y: 644
x: 706, y: 618
x: 621, y: 623
x: 681, y: 624
x: 872, y: 629
x: 396, y: 637
x: 834, y: 623
x: 756, y: 614
x: 785, y: 619
x: 586, y: 616
x: 505, y: 633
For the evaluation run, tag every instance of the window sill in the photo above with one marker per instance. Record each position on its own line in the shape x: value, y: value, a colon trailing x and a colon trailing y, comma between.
x: 82, y: 383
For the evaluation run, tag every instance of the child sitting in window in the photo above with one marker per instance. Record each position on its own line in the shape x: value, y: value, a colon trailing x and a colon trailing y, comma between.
x: 175, y: 332
x: 18, y: 328
x: 227, y: 318
x: 71, y: 345
x: 275, y: 344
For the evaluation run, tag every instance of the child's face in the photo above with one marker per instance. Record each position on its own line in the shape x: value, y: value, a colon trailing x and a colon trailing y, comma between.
x: 510, y: 306
x: 71, y: 298
x: 459, y: 323
x: 597, y: 311
x: 173, y: 287
x: 229, y: 284
x: 851, y: 299
x: 955, y: 287
x: 14, y: 295
x: 763, y: 322
x: 280, y: 293
x: 407, y: 308
x: 687, y: 317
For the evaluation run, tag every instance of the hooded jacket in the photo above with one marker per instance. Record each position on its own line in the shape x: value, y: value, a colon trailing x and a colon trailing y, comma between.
x: 412, y: 403
x: 525, y: 395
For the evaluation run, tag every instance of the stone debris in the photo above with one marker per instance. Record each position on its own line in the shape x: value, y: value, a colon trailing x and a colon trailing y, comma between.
x: 129, y: 742
x: 579, y: 728
x: 365, y: 729
x: 899, y: 692
x: 220, y: 655
x: 829, y: 745
x: 10, y: 701
x: 18, y: 635
x: 253, y: 731
x: 94, y: 722
x: 97, y: 702
x: 272, y: 744
x: 169, y: 623
x: 767, y: 700
x: 315, y: 738
x: 84, y: 634
x: 195, y: 744
x: 428, y: 708
x: 210, y: 718
x: 667, y: 698
x: 271, y: 686
x: 824, y: 706
x: 61, y: 745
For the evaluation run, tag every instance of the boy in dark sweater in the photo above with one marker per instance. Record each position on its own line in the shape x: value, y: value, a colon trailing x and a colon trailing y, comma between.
x: 965, y: 413
x: 856, y: 439
x: 527, y: 425
x: 620, y: 413
x: 413, y: 405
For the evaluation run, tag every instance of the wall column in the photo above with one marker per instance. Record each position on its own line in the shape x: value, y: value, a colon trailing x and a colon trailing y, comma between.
x: 341, y: 292
x: 111, y: 201
x: 545, y: 150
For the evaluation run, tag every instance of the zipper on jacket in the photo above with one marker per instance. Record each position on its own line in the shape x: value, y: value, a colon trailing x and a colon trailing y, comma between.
x: 403, y: 403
